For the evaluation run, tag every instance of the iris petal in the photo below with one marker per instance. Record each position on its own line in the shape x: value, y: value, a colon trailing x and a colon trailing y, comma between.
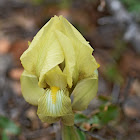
x: 35, y: 47
x: 84, y: 92
x: 44, y: 52
x: 85, y: 62
x: 30, y: 89
x: 69, y: 55
x: 51, y: 111
x: 55, y: 77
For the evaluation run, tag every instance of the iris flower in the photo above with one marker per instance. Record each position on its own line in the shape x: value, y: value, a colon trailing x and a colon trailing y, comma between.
x: 59, y: 65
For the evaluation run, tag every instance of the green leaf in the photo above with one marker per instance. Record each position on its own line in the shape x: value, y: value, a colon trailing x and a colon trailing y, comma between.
x: 79, y: 118
x: 113, y: 75
x: 81, y: 135
x: 110, y: 114
x: 65, y: 3
x: 69, y: 133
x: 4, y: 136
x: 8, y: 126
x: 94, y: 120
x: 132, y: 5
x: 104, y: 99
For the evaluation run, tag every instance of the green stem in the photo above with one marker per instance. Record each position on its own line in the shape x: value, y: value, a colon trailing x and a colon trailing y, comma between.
x: 69, y: 133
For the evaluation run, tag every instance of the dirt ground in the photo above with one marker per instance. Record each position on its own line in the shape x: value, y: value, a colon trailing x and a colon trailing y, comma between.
x: 119, y: 79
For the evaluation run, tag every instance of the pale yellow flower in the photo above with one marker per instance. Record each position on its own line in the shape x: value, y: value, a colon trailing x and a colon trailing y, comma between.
x: 58, y: 64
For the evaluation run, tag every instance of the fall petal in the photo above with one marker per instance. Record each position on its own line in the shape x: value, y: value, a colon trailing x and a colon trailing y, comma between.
x: 30, y: 89
x: 53, y: 106
x: 84, y: 92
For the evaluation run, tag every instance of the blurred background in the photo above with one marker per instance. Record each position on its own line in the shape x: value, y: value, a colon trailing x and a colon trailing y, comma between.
x: 113, y: 29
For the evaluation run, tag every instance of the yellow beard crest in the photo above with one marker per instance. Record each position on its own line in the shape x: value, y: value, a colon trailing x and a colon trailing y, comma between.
x: 53, y: 94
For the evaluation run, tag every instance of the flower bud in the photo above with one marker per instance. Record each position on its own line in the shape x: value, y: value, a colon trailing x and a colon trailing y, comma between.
x: 57, y: 61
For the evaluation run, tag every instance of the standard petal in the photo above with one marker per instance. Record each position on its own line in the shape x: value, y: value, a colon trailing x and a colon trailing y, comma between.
x: 72, y: 32
x: 35, y: 47
x: 44, y: 52
x: 56, y: 78
x: 53, y: 106
x: 69, y: 55
x: 30, y: 89
x: 84, y: 92
x: 53, y: 57
x: 85, y: 62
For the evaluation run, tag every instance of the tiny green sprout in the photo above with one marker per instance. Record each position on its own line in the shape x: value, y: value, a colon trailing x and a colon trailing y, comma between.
x: 59, y: 63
